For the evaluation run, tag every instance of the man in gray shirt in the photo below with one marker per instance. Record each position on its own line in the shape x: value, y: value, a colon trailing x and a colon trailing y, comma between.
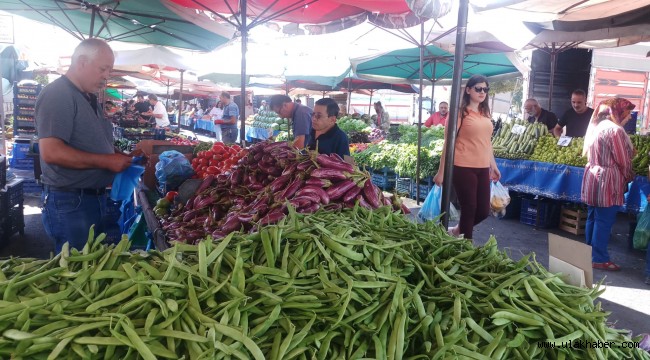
x: 299, y: 115
x: 76, y: 146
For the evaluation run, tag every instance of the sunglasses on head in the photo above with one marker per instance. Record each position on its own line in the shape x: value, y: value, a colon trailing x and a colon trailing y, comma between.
x: 481, y: 89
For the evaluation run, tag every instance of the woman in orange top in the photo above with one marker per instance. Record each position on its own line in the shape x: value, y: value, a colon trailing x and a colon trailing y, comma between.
x: 474, y: 163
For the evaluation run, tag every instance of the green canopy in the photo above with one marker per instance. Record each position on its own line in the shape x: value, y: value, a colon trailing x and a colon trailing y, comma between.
x: 399, y: 65
x: 154, y: 22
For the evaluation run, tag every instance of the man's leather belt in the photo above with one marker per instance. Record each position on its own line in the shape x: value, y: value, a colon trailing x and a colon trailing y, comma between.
x: 79, y: 190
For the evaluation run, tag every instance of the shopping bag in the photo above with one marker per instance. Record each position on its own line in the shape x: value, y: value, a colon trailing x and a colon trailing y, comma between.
x: 454, y: 214
x: 642, y: 232
x: 431, y: 207
x: 125, y: 182
x: 499, y: 199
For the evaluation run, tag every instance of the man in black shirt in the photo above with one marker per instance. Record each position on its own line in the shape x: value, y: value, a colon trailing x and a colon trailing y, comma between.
x: 326, y: 136
x: 142, y: 106
x: 535, y: 113
x: 577, y: 118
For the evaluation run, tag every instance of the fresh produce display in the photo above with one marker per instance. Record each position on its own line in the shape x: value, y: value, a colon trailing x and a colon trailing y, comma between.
x: 640, y: 160
x: 270, y: 120
x: 509, y: 144
x: 349, y: 124
x: 180, y: 140
x: 358, y: 137
x: 379, y: 155
x: 133, y: 133
x: 259, y: 190
x: 332, y: 285
x: 219, y: 159
x: 125, y: 145
x: 409, y: 134
x: 203, y: 146
x: 376, y: 135
x: 358, y: 147
x: 429, y: 160
x: 283, y: 136
x: 547, y: 150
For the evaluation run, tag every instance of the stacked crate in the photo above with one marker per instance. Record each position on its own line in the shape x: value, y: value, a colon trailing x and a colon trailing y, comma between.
x: 11, y: 210
x: 24, y: 106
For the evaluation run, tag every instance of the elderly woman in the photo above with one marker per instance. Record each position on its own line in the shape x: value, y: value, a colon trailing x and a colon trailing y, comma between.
x: 609, y: 155
x: 383, y: 118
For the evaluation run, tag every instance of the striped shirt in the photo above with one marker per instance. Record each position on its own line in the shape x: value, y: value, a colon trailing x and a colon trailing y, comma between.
x: 609, y: 166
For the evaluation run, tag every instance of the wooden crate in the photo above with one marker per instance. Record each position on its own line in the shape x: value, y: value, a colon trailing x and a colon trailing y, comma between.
x: 573, y: 221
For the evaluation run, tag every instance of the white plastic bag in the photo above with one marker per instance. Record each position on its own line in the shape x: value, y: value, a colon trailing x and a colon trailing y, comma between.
x: 499, y: 199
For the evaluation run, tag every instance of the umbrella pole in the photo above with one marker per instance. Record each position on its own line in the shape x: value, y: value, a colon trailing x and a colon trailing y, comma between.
x: 349, y: 100
x: 454, y: 103
x: 180, y: 103
x: 421, y: 76
x: 167, y: 98
x: 370, y: 104
x: 433, y: 86
x: 244, y: 45
x: 551, y: 80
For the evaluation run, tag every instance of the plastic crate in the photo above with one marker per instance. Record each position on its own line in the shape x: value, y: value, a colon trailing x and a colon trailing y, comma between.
x: 540, y: 213
x: 24, y: 111
x: 403, y: 185
x: 14, y: 223
x: 20, y: 150
x: 425, y: 186
x: 29, y: 124
x: 11, y: 195
x: 25, y: 100
x: 27, y: 89
x: 22, y: 164
x: 513, y: 210
x: 384, y: 179
x: 31, y: 186
x: 3, y: 171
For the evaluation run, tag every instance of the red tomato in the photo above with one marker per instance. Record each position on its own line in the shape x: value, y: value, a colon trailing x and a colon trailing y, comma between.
x: 195, y: 162
x: 212, y: 170
x: 213, y: 162
x: 217, y: 156
x: 203, y: 161
x: 171, y: 195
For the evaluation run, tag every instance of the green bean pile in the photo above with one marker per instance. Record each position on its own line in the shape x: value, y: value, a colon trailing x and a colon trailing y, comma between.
x: 330, y: 285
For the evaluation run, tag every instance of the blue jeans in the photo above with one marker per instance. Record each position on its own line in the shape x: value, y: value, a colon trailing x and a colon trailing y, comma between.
x: 67, y: 216
x: 229, y: 135
x: 598, y: 229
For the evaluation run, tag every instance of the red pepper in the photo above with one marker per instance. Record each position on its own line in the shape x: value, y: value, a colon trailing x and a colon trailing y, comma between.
x: 171, y: 195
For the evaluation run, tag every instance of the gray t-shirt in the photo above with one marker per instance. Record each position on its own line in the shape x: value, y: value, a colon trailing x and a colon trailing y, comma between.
x: 228, y: 111
x: 302, y: 121
x: 64, y: 112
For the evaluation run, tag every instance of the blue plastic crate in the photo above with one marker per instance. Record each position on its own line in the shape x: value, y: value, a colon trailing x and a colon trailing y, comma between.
x: 12, y: 195
x: 20, y: 150
x: 25, y: 101
x: 540, y: 213
x: 384, y: 179
x: 403, y: 185
x: 425, y: 186
x: 22, y: 164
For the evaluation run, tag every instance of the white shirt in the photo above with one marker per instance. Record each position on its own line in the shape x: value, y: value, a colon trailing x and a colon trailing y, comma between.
x: 159, y: 108
x: 216, y: 113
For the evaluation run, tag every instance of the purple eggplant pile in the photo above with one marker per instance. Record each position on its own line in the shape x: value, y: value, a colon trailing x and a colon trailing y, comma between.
x: 261, y: 187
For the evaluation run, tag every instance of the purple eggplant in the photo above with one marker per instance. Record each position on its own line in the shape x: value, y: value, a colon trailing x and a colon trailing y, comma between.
x: 189, y: 215
x: 290, y: 170
x: 363, y: 202
x: 272, y: 217
x: 231, y: 224
x: 337, y: 191
x: 351, y: 194
x: 322, y: 194
x: 207, y: 181
x: 332, y: 163
x: 330, y: 174
x: 370, y: 193
x: 309, y: 209
x: 291, y: 189
x: 236, y: 177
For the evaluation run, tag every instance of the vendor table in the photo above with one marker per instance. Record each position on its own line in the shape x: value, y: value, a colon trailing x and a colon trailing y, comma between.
x: 561, y: 182
x: 204, y: 125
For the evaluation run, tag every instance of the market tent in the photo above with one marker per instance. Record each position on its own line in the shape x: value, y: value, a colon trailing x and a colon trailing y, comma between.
x: 156, y: 57
x: 145, y: 22
x: 403, y: 65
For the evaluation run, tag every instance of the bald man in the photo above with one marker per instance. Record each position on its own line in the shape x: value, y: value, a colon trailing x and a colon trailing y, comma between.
x: 78, y: 159
x: 535, y: 113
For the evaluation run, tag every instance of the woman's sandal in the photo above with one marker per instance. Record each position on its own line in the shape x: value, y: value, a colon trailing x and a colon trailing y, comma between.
x: 610, y: 266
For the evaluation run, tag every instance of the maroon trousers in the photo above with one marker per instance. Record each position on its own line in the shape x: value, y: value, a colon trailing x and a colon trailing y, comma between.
x: 472, y: 187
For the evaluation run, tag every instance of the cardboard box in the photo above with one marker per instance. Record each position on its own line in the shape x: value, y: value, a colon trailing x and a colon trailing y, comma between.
x: 152, y: 150
x: 572, y: 259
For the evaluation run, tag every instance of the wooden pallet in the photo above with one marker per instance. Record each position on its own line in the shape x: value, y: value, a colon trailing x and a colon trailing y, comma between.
x: 573, y: 221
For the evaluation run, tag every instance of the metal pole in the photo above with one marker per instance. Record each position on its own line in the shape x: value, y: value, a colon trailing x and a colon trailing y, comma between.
x: 370, y: 105
x: 167, y: 98
x: 421, y: 76
x: 244, y: 45
x: 349, y: 100
x: 3, y: 131
x: 180, y: 102
x: 454, y: 103
x: 552, y: 79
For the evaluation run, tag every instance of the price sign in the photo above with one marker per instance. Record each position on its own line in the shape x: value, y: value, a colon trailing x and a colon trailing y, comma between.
x: 518, y: 129
x: 564, y: 140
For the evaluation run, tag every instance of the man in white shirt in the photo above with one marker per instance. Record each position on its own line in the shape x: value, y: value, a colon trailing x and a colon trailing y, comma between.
x: 159, y: 113
x: 215, y: 114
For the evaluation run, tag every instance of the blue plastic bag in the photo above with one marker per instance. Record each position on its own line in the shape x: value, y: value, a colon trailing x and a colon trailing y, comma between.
x: 173, y: 169
x: 431, y: 206
x: 125, y: 182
